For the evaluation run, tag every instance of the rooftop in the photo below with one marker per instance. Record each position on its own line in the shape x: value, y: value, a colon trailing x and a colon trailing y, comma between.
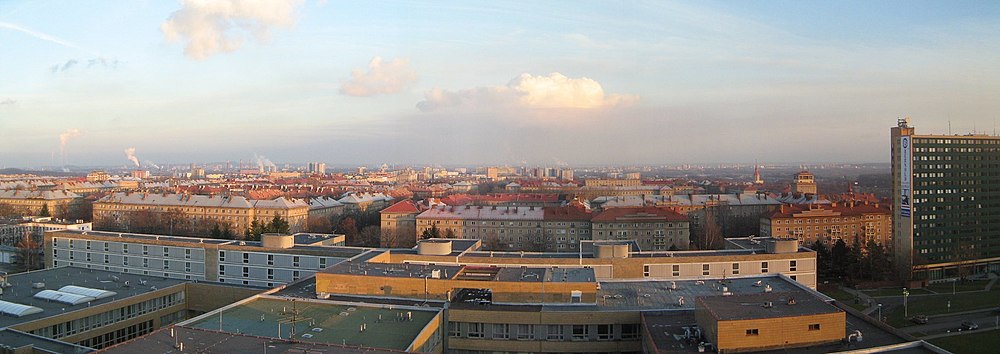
x: 17, y: 339
x: 321, y: 321
x: 206, y: 341
x: 775, y: 304
x: 24, y: 286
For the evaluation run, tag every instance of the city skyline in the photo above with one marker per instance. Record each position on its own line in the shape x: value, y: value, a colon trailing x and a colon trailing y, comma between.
x: 551, y: 83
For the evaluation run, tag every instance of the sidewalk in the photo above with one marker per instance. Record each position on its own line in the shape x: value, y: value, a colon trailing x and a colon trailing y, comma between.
x: 865, y: 299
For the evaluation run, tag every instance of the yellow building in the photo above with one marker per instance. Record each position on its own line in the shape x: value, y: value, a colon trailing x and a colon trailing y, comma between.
x: 193, y: 214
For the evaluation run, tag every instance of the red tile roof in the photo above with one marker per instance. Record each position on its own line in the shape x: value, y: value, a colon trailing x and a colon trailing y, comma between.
x: 405, y: 207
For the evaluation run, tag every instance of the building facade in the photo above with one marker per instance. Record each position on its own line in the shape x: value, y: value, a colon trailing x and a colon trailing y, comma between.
x: 946, y: 221
x: 653, y: 228
x: 830, y: 222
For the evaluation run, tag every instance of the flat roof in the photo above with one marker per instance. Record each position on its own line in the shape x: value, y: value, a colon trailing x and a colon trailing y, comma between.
x: 22, y: 289
x: 754, y: 306
x: 321, y: 321
x: 394, y: 270
x: 17, y: 339
x: 198, y: 340
x: 306, y: 239
x: 666, y: 295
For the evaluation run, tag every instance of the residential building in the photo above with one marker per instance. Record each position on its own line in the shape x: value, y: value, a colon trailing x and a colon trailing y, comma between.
x: 399, y: 224
x: 946, y: 222
x: 830, y: 222
x: 194, y: 214
x: 59, y: 203
x: 654, y: 228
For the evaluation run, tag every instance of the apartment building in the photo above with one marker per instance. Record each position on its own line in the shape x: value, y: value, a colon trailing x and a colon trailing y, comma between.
x: 275, y: 260
x: 399, y: 224
x: 830, y: 222
x: 653, y: 228
x: 58, y: 202
x: 945, y: 220
x: 192, y: 213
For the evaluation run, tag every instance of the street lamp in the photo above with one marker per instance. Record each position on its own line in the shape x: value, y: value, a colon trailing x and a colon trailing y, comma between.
x: 906, y: 312
x: 880, y: 312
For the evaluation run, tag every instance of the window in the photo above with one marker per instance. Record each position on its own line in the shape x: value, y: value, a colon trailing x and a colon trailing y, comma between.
x: 814, y: 327
x: 125, y: 248
x: 581, y: 332
x: 246, y: 257
x: 576, y: 296
x: 525, y: 332
x: 270, y: 273
x: 295, y: 261
x: 630, y: 331
x: 705, y: 269
x: 645, y: 270
x: 736, y: 268
x: 270, y: 259
x: 677, y: 270
x: 555, y: 332
x: 222, y: 256
x: 763, y: 267
x: 454, y: 330
x: 246, y: 272
x: 501, y: 331
x: 322, y: 262
x: 476, y: 330
x: 187, y: 253
x: 792, y: 265
x: 145, y: 250
x: 604, y: 332
x: 753, y: 332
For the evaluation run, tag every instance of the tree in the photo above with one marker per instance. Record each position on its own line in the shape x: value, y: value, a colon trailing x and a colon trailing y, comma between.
x: 216, y: 231
x: 319, y: 225
x: 855, y: 261
x: 369, y: 236
x: 838, y: 258
x: 432, y: 232
x: 256, y: 229
x: 278, y: 225
x: 45, y: 211
x: 29, y: 253
x: 348, y: 227
x: 823, y: 265
x: 449, y: 233
x: 711, y: 231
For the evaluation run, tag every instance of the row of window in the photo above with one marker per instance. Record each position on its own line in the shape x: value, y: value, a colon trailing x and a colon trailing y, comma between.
x: 706, y: 268
x: 531, y: 332
x: 110, y: 317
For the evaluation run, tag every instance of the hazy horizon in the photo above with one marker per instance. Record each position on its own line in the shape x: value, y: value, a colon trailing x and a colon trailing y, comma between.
x: 553, y: 83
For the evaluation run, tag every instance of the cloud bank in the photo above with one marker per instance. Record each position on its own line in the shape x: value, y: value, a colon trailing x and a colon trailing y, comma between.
x: 218, y: 26
x: 528, y: 91
x: 383, y: 77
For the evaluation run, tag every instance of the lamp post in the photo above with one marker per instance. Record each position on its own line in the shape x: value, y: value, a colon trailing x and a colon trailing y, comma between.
x: 880, y: 312
x: 906, y: 312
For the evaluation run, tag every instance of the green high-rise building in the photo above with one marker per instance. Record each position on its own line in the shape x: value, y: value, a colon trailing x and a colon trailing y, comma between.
x: 946, y: 201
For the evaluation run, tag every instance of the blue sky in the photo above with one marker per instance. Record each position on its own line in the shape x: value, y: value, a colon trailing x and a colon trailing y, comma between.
x: 458, y: 82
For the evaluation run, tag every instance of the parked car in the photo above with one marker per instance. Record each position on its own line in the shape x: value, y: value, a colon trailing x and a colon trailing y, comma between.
x: 969, y: 325
x: 919, y: 319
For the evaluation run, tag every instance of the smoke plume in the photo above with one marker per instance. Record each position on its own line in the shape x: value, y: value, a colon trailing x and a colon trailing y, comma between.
x: 130, y: 153
x: 64, y: 138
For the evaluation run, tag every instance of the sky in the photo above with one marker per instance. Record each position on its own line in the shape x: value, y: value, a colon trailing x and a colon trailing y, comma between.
x: 459, y: 82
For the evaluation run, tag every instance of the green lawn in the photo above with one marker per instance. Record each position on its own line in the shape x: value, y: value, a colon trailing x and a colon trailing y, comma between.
x: 968, y: 285
x: 895, y: 292
x: 938, y: 304
x: 842, y: 296
x: 969, y: 343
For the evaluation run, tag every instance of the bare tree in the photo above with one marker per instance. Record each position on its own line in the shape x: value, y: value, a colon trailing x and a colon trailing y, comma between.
x: 29, y: 253
x: 369, y: 236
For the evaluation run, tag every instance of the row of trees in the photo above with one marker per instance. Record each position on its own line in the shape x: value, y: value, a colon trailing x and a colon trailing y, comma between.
x: 360, y: 228
x: 868, y: 261
x: 76, y: 211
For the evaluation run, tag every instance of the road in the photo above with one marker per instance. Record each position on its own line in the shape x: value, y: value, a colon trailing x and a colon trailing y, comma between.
x: 942, y: 324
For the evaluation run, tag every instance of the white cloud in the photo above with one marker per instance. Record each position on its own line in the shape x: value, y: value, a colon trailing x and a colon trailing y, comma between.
x: 528, y: 91
x: 213, y: 26
x: 383, y: 77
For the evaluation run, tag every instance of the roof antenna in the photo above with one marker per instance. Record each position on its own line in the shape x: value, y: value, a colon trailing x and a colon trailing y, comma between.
x: 949, y: 127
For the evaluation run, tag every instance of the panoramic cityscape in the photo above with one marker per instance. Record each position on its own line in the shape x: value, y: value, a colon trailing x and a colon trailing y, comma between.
x: 312, y: 176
